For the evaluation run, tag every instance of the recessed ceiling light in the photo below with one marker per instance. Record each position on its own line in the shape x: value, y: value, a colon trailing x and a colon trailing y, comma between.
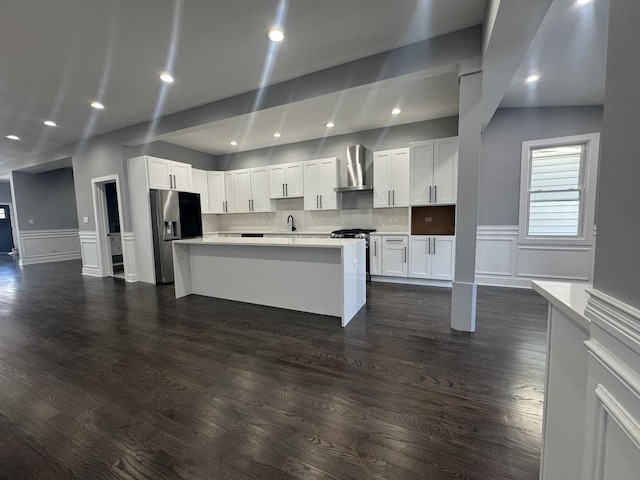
x: 13, y: 137
x: 330, y: 125
x: 50, y: 123
x: 533, y: 78
x: 234, y: 143
x: 276, y: 35
x: 395, y: 111
x: 97, y: 105
x: 166, y: 77
x: 277, y: 134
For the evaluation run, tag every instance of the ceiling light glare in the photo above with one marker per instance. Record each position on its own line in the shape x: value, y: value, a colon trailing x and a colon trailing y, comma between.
x: 330, y: 125
x: 166, y: 77
x: 13, y: 137
x: 395, y: 111
x: 277, y: 134
x: 50, y: 123
x: 533, y: 78
x: 97, y: 105
x: 276, y: 35
x: 234, y: 143
x: 580, y: 3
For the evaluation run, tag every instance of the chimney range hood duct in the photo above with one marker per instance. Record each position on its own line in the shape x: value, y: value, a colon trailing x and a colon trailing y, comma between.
x: 359, y: 169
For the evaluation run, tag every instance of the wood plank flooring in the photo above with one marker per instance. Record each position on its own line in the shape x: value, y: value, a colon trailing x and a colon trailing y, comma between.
x: 100, y: 379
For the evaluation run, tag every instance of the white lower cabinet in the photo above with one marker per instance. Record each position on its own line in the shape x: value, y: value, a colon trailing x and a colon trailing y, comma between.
x: 395, y: 255
x: 375, y: 255
x: 432, y: 257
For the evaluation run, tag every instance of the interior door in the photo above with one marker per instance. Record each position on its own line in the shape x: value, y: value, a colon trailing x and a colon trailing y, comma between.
x: 6, y: 236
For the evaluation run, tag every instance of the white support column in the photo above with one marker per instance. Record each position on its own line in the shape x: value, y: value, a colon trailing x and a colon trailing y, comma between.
x: 463, y: 296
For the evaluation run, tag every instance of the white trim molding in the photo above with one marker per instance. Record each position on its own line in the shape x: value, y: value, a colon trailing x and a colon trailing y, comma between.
x: 42, y: 246
x: 129, y: 258
x: 90, y: 254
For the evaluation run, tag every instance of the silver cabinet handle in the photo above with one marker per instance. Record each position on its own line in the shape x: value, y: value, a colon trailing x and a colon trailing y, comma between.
x: 286, y: 189
x: 223, y: 209
x: 317, y: 201
x: 435, y: 194
x: 375, y: 249
x: 434, y: 246
x: 283, y: 194
x: 170, y: 183
x: 405, y: 254
x: 429, y: 243
x: 392, y: 240
x: 429, y: 202
x: 389, y: 197
x: 249, y: 204
x: 175, y: 182
x: 253, y: 206
x: 321, y: 201
x: 394, y: 197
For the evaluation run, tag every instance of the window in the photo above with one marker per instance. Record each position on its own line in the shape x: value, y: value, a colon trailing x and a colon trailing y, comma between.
x: 557, y: 190
x: 3, y: 215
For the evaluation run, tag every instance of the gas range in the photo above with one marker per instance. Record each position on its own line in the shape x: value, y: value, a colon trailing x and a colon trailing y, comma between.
x: 353, y: 233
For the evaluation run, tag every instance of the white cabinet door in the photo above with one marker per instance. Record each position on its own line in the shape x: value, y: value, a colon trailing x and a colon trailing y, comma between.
x: 216, y: 192
x: 182, y: 178
x: 311, y: 182
x: 277, y: 181
x: 159, y: 173
x: 242, y: 186
x: 200, y: 186
x: 445, y: 170
x: 400, y: 177
x: 294, y: 185
x: 382, y: 179
x: 230, y: 191
x: 421, y: 172
x: 328, y: 181
x: 394, y: 256
x: 375, y: 255
x: 260, y: 201
x: 443, y: 257
x: 419, y: 257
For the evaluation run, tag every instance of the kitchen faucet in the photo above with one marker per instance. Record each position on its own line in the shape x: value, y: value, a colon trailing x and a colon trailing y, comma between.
x: 293, y: 228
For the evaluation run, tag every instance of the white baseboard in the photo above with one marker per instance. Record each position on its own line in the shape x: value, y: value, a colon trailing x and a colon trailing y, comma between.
x: 499, y: 281
x: 411, y: 281
x: 91, y: 272
x: 90, y: 254
x: 43, y: 246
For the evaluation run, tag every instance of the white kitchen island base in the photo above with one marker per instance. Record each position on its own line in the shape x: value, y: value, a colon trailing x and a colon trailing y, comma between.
x: 323, y: 276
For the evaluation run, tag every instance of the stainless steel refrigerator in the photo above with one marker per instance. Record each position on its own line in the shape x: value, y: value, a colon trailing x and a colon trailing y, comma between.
x: 174, y: 215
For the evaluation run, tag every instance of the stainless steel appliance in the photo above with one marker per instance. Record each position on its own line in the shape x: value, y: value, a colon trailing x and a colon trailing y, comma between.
x: 359, y: 169
x: 174, y: 215
x: 357, y: 233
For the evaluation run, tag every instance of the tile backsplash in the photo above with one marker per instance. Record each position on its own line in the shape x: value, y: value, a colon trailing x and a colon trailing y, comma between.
x: 359, y: 215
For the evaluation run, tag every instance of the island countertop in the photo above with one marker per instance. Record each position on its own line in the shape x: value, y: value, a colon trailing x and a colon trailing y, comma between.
x: 272, y: 241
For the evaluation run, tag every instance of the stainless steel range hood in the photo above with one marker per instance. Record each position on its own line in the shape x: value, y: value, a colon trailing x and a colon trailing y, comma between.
x: 359, y: 169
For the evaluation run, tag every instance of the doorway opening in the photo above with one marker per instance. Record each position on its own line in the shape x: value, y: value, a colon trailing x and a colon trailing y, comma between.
x: 108, y: 215
x: 6, y: 232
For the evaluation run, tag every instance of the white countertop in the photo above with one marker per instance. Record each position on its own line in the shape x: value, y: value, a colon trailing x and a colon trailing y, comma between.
x: 569, y: 298
x: 271, y: 241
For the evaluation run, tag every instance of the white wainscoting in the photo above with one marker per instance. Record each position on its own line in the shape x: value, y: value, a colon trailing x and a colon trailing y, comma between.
x: 90, y: 254
x: 501, y: 261
x: 612, y: 429
x: 129, y: 254
x: 41, y: 246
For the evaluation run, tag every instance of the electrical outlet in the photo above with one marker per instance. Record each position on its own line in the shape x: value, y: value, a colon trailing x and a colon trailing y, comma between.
x: 85, y: 219
x: 31, y: 221
x: 428, y: 219
x: 394, y: 220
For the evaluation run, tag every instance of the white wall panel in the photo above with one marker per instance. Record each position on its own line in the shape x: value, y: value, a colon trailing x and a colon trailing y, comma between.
x: 90, y: 256
x: 129, y: 248
x: 40, y: 246
x: 572, y: 263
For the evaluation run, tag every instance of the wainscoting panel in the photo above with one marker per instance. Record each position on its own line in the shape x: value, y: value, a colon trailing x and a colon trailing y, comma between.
x: 90, y: 254
x: 129, y: 250
x: 567, y: 263
x: 41, y: 246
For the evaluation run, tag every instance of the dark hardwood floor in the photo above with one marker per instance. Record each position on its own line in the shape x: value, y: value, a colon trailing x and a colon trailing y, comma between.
x: 102, y: 379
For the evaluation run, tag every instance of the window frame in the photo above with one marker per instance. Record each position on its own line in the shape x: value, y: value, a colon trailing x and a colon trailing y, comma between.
x: 588, y: 174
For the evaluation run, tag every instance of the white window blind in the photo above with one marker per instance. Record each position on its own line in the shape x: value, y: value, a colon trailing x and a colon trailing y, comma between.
x: 2, y: 214
x: 556, y: 191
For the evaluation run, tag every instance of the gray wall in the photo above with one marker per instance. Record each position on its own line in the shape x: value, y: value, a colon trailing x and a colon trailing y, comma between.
x: 5, y: 192
x: 201, y: 160
x: 617, y: 260
x: 379, y: 139
x: 47, y: 198
x: 499, y: 182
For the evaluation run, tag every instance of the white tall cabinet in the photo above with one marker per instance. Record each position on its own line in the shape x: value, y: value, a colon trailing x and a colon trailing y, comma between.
x: 169, y: 175
x: 391, y: 178
x: 321, y: 178
x: 434, y: 172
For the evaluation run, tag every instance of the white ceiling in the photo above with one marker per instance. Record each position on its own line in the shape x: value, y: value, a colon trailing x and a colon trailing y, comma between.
x: 59, y: 56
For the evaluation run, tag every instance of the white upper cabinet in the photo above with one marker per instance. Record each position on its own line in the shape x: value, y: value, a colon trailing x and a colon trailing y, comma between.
x: 285, y: 181
x: 248, y: 190
x: 434, y: 172
x: 391, y: 178
x: 432, y: 257
x: 217, y: 197
x: 169, y: 175
x: 200, y: 186
x: 320, y: 181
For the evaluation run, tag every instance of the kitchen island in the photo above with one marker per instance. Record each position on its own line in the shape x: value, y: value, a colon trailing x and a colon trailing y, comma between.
x: 316, y: 275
